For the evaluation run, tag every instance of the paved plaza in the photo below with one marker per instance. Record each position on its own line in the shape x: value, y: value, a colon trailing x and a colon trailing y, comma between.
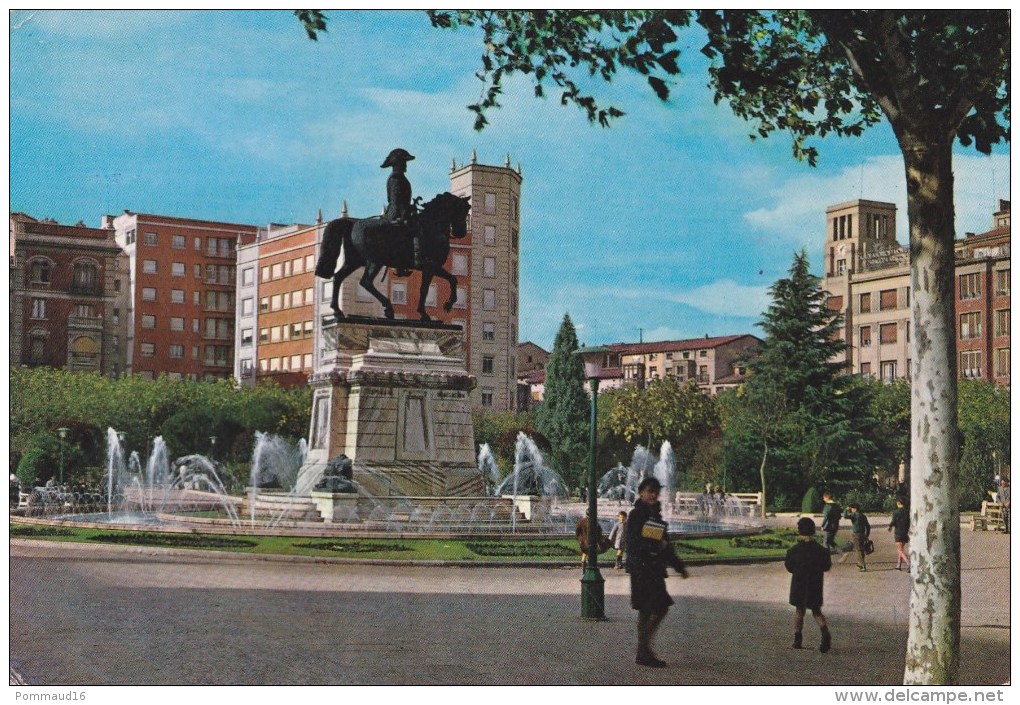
x: 96, y: 615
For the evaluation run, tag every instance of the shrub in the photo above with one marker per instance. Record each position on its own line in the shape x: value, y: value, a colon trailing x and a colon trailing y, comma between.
x: 520, y: 548
x: 354, y: 546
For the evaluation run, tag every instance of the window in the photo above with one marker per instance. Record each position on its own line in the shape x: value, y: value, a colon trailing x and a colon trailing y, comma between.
x: 246, y: 336
x: 274, y: 334
x: 148, y: 321
x: 248, y: 276
x: 887, y: 333
x: 194, y: 348
x: 488, y: 331
x: 489, y: 299
x: 178, y: 243
x: 834, y: 303
x: 1002, y: 282
x: 263, y: 335
x: 866, y: 369
x: 150, y: 238
x: 177, y: 324
x: 463, y: 296
x: 129, y: 236
x: 298, y: 265
x: 1002, y: 362
x: 196, y: 298
x: 265, y: 273
x: 39, y: 273
x: 398, y: 292
x: 116, y: 316
x: 295, y: 362
x: 195, y: 325
x: 889, y: 371
x: 307, y: 359
x: 309, y: 263
x: 489, y: 267
x: 1001, y: 322
x: 970, y: 286
x: 149, y: 266
x: 865, y: 303
x: 865, y: 336
x: 198, y: 244
x: 490, y: 203
x: 148, y: 293
x: 459, y: 265
x: 295, y: 330
x: 432, y: 295
x: 703, y: 353
x: 487, y: 364
x: 276, y: 302
x: 887, y: 300
x: 277, y: 270
x: 970, y: 325
x: 147, y: 349
x: 286, y: 268
x: 970, y: 363
x: 247, y: 306
x: 264, y: 304
x: 486, y: 397
x: 297, y: 298
x: 177, y: 296
x: 39, y: 309
x: 177, y: 351
x: 840, y: 267
x: 513, y: 207
x: 490, y: 234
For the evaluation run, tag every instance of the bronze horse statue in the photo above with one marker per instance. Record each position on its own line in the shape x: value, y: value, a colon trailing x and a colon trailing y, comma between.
x: 374, y: 243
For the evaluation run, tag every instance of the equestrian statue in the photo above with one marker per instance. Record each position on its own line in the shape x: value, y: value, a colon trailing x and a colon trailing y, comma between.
x: 403, y: 239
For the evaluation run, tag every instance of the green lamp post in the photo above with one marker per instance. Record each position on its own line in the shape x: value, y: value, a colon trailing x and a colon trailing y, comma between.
x: 62, y: 432
x: 593, y: 592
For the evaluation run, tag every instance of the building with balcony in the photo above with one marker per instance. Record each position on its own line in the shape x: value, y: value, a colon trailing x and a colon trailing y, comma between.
x: 713, y: 363
x: 867, y: 275
x: 68, y: 295
x: 182, y: 293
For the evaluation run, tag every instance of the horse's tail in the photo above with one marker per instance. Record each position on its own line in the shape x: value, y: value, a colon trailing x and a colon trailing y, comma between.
x: 336, y: 235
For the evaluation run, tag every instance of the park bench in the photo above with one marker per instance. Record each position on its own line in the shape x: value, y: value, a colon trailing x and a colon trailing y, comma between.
x: 990, y: 518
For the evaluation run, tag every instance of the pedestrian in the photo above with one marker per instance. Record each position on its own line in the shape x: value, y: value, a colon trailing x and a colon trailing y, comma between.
x: 900, y: 525
x: 618, y: 537
x: 830, y: 521
x: 807, y: 563
x: 581, y: 532
x: 648, y: 553
x: 1003, y: 498
x: 861, y: 530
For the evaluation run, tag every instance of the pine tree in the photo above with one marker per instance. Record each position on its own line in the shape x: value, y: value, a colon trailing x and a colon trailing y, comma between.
x: 565, y: 414
x: 807, y: 419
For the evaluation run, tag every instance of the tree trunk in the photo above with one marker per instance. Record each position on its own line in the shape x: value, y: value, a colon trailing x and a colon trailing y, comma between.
x: 761, y: 472
x: 933, y: 644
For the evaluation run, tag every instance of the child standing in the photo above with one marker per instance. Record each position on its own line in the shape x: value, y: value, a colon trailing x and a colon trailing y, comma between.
x: 618, y: 537
x: 808, y: 561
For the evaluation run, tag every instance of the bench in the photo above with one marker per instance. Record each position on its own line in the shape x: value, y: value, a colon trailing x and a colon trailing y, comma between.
x: 990, y: 518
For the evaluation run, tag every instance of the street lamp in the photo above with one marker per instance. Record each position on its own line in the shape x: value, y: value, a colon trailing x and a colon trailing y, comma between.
x: 62, y: 432
x: 593, y: 594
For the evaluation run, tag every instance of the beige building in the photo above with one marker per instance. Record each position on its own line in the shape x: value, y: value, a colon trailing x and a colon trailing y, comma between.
x: 867, y: 274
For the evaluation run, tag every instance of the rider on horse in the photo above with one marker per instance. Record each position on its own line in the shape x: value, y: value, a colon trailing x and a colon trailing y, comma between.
x: 399, y: 209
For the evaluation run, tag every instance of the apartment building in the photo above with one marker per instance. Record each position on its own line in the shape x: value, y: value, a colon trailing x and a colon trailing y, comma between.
x: 867, y: 275
x: 276, y: 305
x: 182, y: 298
x: 485, y: 263
x: 713, y: 363
x: 68, y: 286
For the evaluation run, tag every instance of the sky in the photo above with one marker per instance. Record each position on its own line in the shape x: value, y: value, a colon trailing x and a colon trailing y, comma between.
x: 671, y: 224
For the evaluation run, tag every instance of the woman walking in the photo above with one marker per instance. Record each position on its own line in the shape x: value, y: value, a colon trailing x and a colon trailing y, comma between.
x: 900, y: 526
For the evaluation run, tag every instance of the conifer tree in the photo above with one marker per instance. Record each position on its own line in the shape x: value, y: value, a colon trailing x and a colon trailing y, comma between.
x: 804, y: 419
x: 565, y: 413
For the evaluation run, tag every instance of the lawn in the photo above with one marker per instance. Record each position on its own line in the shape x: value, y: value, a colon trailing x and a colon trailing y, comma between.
x: 769, y: 545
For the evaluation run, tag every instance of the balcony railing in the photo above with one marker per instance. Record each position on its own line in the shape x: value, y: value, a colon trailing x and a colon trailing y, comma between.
x: 86, y: 289
x: 218, y: 362
x: 89, y: 322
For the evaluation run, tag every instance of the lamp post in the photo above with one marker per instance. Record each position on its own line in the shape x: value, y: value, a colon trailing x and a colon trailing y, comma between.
x: 62, y: 432
x: 593, y: 594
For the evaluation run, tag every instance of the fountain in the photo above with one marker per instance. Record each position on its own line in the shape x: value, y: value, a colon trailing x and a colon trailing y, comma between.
x: 488, y: 467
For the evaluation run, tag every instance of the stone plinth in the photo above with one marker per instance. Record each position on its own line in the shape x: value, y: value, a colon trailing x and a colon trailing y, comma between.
x: 393, y: 397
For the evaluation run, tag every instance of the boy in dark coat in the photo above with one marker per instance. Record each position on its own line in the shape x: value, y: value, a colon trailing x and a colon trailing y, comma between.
x: 808, y: 561
x: 649, y: 551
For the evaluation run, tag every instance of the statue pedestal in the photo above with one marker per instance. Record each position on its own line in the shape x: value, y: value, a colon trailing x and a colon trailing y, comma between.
x: 393, y: 397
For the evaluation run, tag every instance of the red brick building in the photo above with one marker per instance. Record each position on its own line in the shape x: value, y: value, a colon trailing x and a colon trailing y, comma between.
x: 67, y: 288
x: 182, y: 293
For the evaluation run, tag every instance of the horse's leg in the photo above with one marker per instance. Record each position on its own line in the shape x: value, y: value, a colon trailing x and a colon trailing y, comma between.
x: 338, y: 278
x: 423, y: 292
x: 371, y: 269
x: 452, y: 281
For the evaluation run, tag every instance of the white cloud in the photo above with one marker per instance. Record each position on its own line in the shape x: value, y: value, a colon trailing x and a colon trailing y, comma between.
x: 723, y: 297
x: 798, y: 207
